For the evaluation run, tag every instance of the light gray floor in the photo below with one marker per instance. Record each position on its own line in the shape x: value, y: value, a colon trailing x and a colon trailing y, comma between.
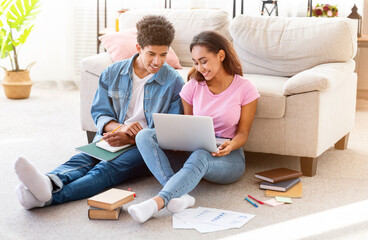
x: 46, y: 128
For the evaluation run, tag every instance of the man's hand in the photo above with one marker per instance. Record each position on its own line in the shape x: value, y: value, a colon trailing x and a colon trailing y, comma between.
x: 131, y: 129
x: 223, y: 149
x: 118, y: 138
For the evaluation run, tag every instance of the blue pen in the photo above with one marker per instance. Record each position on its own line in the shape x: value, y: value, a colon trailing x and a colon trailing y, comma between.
x: 251, y: 202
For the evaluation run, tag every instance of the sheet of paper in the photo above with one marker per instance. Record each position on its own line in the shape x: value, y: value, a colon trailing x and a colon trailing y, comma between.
x: 223, y: 217
x: 206, y: 228
x: 283, y: 199
x: 272, y: 202
x: 180, y: 224
x: 210, y: 220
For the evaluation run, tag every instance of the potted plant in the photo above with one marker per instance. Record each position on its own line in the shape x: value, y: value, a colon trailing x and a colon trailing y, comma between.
x: 16, y: 17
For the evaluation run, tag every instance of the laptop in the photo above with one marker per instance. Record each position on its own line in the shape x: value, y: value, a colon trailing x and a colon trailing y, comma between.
x: 186, y: 132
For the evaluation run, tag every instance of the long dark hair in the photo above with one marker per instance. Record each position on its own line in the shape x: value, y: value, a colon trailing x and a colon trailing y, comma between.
x: 214, y: 42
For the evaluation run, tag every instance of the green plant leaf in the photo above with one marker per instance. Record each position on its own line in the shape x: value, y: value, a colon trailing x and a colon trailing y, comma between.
x: 22, y: 12
x: 23, y: 37
x: 3, y: 5
x: 5, y: 43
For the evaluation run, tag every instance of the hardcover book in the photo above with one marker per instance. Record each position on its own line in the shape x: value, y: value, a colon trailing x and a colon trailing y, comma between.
x: 98, y: 213
x: 111, y: 199
x: 280, y: 186
x: 278, y: 175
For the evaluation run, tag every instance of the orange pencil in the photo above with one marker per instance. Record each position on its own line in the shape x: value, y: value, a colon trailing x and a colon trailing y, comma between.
x: 114, y: 130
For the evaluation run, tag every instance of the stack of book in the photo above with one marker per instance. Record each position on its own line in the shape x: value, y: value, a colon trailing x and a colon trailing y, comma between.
x: 283, y: 182
x: 107, y: 205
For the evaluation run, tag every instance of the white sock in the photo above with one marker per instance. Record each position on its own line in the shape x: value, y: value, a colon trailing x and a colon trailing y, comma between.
x: 39, y: 184
x: 26, y: 198
x: 143, y: 211
x: 176, y: 205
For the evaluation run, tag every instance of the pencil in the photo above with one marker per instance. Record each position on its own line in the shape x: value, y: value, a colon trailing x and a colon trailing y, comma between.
x: 114, y: 130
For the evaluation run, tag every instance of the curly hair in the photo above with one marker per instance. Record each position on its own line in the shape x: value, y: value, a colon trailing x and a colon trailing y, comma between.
x: 154, y: 30
x: 214, y: 42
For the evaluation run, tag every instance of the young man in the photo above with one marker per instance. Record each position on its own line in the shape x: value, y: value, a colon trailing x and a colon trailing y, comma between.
x: 129, y: 92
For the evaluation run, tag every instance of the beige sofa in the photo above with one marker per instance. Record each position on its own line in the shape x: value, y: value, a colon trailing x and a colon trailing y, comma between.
x: 303, y: 68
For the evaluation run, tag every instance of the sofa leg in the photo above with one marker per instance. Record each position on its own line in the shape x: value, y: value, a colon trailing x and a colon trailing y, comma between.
x: 342, y: 144
x: 308, y: 166
x: 90, y: 136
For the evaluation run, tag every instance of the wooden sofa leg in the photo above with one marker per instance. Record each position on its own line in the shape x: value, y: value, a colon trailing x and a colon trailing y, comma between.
x: 342, y: 144
x: 308, y: 166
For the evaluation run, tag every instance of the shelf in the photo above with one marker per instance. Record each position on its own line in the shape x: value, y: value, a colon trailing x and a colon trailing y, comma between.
x: 363, y: 41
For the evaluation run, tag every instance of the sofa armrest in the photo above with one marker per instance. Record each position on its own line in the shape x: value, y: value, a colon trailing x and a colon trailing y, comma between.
x: 97, y: 63
x: 319, y: 78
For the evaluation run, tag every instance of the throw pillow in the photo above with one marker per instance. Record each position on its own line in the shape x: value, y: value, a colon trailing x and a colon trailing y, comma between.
x: 122, y: 45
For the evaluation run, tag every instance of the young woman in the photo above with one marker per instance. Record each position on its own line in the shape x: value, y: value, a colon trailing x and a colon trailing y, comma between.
x: 216, y: 88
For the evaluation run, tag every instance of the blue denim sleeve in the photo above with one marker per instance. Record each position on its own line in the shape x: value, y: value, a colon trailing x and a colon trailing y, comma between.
x: 176, y: 106
x: 102, y: 110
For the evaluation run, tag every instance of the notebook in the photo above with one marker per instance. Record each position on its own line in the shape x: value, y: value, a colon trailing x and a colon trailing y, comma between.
x: 278, y: 175
x: 186, y: 132
x: 102, y: 154
x: 280, y: 186
x: 294, y: 192
x: 105, y: 145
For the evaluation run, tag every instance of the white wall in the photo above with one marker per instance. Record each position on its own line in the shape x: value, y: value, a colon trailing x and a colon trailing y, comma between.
x: 50, y: 44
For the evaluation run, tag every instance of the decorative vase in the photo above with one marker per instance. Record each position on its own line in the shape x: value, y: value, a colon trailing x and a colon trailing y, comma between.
x: 17, y: 85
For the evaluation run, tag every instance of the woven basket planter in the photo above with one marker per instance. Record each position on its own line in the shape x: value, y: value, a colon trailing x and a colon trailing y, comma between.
x: 17, y: 85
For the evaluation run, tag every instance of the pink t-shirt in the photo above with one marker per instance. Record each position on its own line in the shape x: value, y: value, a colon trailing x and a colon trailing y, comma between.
x: 225, y: 107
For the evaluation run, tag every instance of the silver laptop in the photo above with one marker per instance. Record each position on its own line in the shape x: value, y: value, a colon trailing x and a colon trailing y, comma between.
x: 186, y: 132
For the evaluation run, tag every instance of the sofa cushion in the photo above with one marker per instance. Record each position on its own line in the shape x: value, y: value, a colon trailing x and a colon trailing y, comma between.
x: 122, y: 45
x: 187, y: 22
x: 285, y: 46
x: 272, y: 102
x: 323, y: 77
x: 97, y: 63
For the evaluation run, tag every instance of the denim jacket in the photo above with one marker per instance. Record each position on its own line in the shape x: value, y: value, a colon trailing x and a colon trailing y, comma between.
x: 161, y: 94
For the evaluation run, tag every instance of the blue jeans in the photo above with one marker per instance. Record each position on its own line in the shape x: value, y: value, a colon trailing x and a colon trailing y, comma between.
x: 84, y: 176
x: 200, y: 164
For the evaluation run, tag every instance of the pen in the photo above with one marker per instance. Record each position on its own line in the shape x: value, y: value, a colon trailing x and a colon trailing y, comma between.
x: 251, y: 202
x: 114, y: 129
x: 255, y: 199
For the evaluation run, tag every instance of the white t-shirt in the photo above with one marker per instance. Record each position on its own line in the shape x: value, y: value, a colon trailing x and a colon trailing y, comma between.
x: 135, y: 112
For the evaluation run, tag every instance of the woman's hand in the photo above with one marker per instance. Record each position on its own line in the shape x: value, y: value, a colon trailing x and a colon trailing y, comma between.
x: 118, y: 138
x: 224, y: 149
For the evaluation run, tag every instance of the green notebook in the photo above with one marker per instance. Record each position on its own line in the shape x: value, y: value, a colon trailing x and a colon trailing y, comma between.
x: 101, y: 154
